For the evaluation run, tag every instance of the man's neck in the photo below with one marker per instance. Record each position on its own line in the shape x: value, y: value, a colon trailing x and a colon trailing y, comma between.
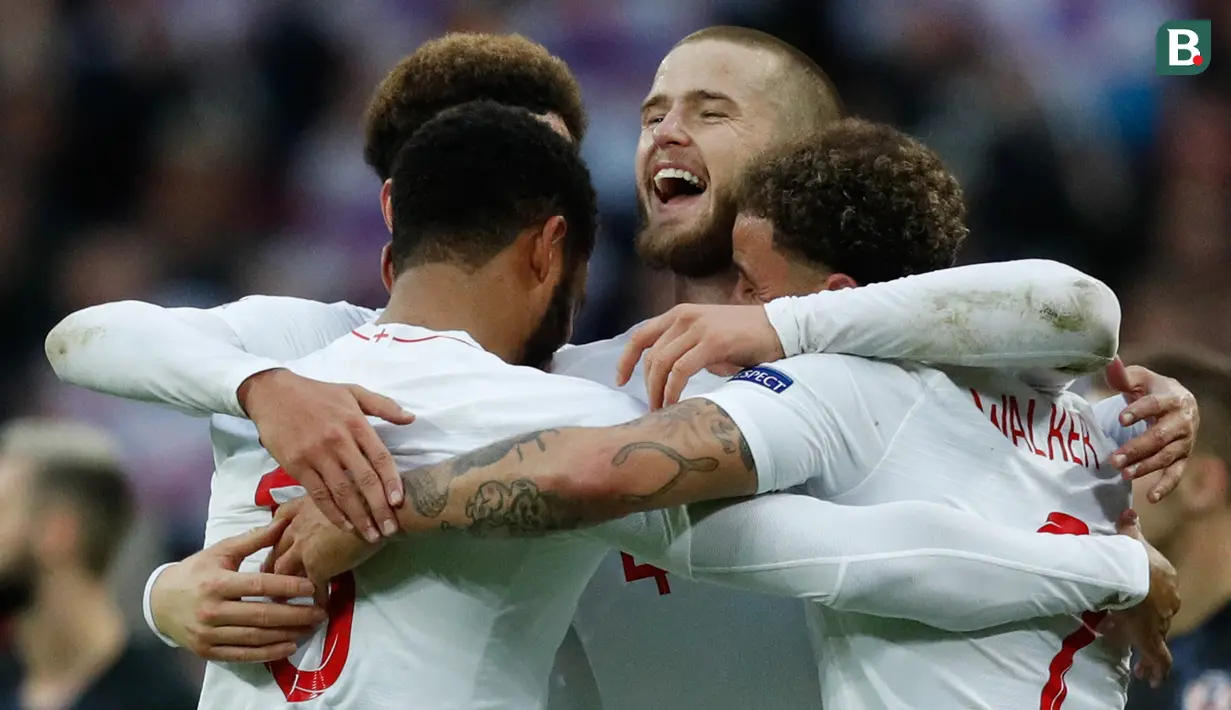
x: 709, y: 290
x: 446, y: 297
x: 73, y: 633
x: 1202, y: 557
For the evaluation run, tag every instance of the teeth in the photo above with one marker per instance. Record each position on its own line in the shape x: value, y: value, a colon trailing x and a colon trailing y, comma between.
x: 679, y: 175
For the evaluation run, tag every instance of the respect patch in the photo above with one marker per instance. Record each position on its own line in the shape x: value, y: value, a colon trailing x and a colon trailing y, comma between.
x: 769, y: 378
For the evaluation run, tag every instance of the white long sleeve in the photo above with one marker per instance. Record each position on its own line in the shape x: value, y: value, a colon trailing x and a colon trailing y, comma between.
x: 1030, y: 314
x: 910, y: 560
x: 1107, y: 415
x: 191, y: 359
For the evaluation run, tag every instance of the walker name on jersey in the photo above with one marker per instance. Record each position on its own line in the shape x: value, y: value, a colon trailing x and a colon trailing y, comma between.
x: 1047, y: 431
x: 767, y: 377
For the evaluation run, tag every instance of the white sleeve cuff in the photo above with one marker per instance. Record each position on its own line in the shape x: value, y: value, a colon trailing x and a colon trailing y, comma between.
x: 1138, y: 568
x: 232, y: 377
x: 148, y: 612
x: 781, y: 315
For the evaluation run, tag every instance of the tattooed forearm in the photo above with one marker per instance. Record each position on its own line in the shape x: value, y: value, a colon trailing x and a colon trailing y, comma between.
x: 519, y: 508
x: 684, y: 466
x: 553, y: 480
x: 692, y: 426
x: 428, y: 487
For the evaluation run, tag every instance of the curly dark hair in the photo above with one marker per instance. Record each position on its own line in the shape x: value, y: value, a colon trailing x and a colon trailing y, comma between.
x: 461, y: 67
x: 859, y: 198
x: 472, y: 178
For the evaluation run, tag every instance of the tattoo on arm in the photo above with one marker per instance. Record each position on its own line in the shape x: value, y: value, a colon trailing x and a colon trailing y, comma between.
x: 693, y: 437
x: 694, y: 424
x: 428, y: 486
x: 518, y: 509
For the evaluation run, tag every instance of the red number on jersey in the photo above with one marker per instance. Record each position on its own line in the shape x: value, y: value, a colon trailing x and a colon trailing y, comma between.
x: 1055, y: 690
x: 302, y: 684
x: 634, y: 572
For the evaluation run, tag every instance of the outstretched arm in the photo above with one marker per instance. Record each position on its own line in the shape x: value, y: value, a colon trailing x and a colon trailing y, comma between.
x: 189, y: 358
x: 225, y: 360
x: 907, y: 560
x: 1031, y: 314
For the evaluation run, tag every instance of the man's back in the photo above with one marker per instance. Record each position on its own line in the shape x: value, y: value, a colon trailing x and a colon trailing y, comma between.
x: 1048, y: 457
x: 1048, y: 453
x: 449, y: 621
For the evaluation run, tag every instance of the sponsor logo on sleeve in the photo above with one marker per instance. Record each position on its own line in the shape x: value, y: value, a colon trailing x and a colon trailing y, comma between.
x: 769, y: 378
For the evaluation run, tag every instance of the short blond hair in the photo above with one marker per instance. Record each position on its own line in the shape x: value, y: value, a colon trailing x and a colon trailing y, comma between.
x: 813, y: 99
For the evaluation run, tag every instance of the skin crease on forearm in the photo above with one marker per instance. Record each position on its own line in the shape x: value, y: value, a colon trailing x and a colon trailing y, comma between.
x: 560, y: 479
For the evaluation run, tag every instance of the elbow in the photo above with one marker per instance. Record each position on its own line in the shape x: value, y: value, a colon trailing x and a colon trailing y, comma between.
x: 64, y: 342
x: 1086, y: 311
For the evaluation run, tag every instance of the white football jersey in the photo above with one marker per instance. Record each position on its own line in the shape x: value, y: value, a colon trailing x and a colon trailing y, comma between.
x: 441, y: 622
x: 1048, y: 454
x: 656, y: 640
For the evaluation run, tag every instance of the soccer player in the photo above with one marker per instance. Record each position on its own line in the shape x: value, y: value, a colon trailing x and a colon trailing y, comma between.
x: 65, y: 509
x: 197, y: 359
x: 850, y: 430
x: 448, y: 621
x: 1193, y: 527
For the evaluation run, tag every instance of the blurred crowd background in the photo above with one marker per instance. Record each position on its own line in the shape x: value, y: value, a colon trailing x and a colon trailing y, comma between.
x: 188, y: 153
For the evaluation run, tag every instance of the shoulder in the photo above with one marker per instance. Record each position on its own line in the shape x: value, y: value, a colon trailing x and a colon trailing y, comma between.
x: 599, y: 356
x: 585, y: 402
x: 284, y: 304
x: 826, y: 371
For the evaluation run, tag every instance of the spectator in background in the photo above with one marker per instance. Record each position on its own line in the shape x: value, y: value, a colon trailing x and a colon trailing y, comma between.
x: 65, y: 508
x: 1192, y: 527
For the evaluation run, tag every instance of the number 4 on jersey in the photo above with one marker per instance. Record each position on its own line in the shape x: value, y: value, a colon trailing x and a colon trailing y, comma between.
x: 303, y: 684
x: 634, y: 572
x: 1055, y: 690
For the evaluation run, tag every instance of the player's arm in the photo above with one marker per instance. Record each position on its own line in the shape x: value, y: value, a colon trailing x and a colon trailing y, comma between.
x: 559, y: 479
x: 910, y: 560
x: 190, y: 358
x: 1035, y: 315
x: 1031, y: 314
x: 226, y: 360
x: 690, y: 452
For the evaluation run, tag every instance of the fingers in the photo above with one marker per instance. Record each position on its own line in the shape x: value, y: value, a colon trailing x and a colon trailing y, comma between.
x: 290, y: 565
x: 378, y: 405
x: 236, y: 549
x: 345, y: 495
x: 1155, y: 662
x: 370, y: 485
x: 280, y: 550
x: 1175, y: 452
x: 1117, y: 376
x: 689, y: 364
x: 1155, y: 439
x: 1128, y: 524
x: 661, y: 364
x: 725, y: 369
x: 318, y: 489
x: 263, y: 615
x: 642, y: 338
x: 243, y: 654
x: 1168, y: 481
x: 255, y: 637
x: 388, y: 476
x: 254, y: 584
x: 1151, y: 406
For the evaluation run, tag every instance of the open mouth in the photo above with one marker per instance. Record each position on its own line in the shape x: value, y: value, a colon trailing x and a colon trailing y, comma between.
x: 676, y: 184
